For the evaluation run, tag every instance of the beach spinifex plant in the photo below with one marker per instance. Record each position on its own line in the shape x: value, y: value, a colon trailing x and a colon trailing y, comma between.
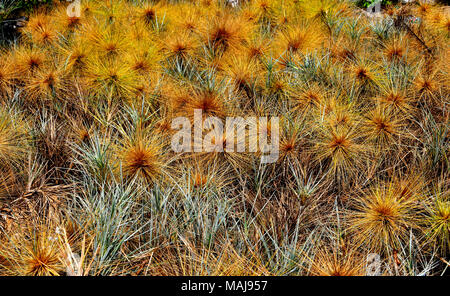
x: 31, y: 250
x: 337, y: 263
x: 438, y: 224
x: 28, y: 59
x: 385, y: 214
x: 383, y: 128
x: 141, y: 158
x: 341, y: 150
x: 87, y: 102
x: 14, y: 138
x: 7, y: 74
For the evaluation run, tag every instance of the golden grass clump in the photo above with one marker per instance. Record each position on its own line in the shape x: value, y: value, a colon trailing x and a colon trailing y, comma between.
x: 337, y: 263
x: 365, y: 74
x: 383, y: 128
x: 437, y: 226
x: 41, y: 30
x: 13, y: 138
x: 298, y: 40
x: 46, y: 84
x: 309, y: 97
x: 111, y: 79
x: 76, y: 57
x: 142, y: 157
x: 396, y: 99
x: 28, y: 60
x: 226, y: 32
x: 384, y: 215
x: 32, y: 251
x: 244, y: 73
x: 209, y: 102
x: 7, y: 75
x: 341, y: 149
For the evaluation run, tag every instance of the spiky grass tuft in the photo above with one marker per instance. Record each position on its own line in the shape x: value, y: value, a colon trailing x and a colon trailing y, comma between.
x: 384, y: 216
